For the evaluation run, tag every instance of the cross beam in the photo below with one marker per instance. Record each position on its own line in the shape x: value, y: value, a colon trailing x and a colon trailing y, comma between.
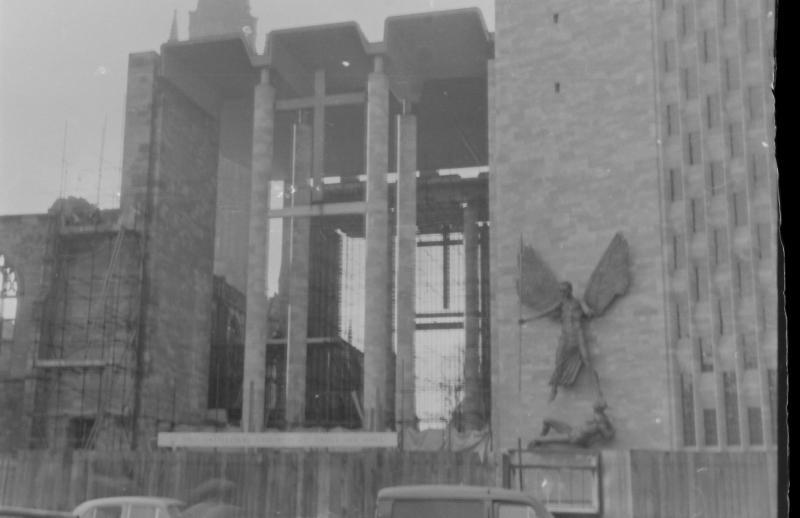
x: 318, y: 102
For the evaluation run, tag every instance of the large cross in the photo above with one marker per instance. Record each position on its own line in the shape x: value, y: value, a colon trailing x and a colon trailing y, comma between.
x: 318, y: 102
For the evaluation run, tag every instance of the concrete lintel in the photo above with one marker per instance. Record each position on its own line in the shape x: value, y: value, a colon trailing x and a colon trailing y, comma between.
x: 320, y: 209
x: 329, y: 100
x: 72, y: 364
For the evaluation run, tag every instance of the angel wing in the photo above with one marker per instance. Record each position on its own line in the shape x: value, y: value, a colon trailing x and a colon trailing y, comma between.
x: 537, y: 285
x: 611, y: 276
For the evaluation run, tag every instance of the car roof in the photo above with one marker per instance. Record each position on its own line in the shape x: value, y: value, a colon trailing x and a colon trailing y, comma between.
x: 454, y: 492
x: 121, y: 500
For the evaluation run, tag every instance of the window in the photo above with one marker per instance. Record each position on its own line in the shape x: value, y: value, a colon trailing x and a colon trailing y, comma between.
x: 142, y: 511
x: 441, y: 508
x: 749, y: 353
x: 742, y: 280
x: 674, y: 184
x: 710, y: 426
x: 731, y: 408
x: 758, y: 169
x: 726, y: 12
x: 685, y: 19
x: 755, y: 106
x: 705, y: 354
x: 750, y: 35
x: 9, y: 290
x: 772, y: 387
x: 712, y: 111
x: 689, y: 82
x: 678, y: 251
x: 716, y: 178
x: 763, y: 249
x: 693, y: 148
x: 735, y: 143
x: 672, y: 119
x: 754, y: 426
x: 739, y: 208
x: 719, y: 246
x: 503, y: 510
x: 696, y: 216
x: 108, y: 511
x: 730, y: 74
x: 687, y: 407
x: 669, y: 56
x: 699, y: 283
x: 707, y: 42
x: 722, y: 316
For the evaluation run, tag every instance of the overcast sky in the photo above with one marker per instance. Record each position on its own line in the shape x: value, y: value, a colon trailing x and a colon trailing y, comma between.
x: 63, y: 62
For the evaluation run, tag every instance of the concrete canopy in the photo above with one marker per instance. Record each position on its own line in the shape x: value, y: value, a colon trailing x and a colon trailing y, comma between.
x: 439, y: 45
x: 339, y: 49
x: 225, y: 63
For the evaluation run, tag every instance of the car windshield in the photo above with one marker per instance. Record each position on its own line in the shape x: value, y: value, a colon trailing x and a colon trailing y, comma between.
x: 437, y: 509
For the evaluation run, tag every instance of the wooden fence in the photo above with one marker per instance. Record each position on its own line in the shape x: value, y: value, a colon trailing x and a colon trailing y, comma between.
x: 704, y: 484
x: 265, y: 484
x: 307, y: 484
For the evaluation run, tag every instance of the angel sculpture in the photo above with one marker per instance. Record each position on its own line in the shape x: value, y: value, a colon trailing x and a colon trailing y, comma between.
x: 540, y: 291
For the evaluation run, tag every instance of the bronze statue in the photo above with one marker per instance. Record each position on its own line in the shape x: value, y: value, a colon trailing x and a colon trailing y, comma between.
x: 540, y: 290
x: 597, y: 429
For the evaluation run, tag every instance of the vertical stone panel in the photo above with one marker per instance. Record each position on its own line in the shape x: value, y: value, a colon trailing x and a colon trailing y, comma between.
x: 405, y: 268
x: 256, y: 333
x: 179, y: 256
x: 376, y: 332
x: 297, y: 336
x: 472, y: 382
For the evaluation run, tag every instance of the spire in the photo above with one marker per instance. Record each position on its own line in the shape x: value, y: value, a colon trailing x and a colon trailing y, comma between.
x: 173, y: 31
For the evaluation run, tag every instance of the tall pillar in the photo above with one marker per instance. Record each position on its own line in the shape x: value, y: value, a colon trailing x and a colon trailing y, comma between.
x: 256, y: 333
x: 376, y: 332
x: 297, y: 321
x: 472, y: 383
x: 405, y: 269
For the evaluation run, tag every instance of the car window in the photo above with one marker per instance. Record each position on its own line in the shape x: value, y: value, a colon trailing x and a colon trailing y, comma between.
x: 173, y: 511
x: 508, y: 510
x: 437, y: 509
x: 107, y: 511
x: 142, y: 511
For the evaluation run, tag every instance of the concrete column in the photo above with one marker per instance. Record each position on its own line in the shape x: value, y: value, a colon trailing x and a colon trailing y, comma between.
x: 472, y: 384
x: 256, y: 333
x: 405, y: 269
x: 376, y: 333
x: 297, y: 321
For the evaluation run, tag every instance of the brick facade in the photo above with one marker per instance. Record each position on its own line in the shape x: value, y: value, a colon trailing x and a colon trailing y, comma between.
x: 611, y: 116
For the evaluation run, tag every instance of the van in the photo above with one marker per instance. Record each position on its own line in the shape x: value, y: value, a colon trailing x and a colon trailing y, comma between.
x: 445, y: 501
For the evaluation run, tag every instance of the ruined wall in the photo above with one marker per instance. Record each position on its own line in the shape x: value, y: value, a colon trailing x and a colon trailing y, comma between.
x: 22, y: 241
x: 575, y: 160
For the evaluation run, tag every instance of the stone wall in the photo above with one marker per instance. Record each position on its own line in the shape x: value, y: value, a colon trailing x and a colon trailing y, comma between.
x: 180, y: 255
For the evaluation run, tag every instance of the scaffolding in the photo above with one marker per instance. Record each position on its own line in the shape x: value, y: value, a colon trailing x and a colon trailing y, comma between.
x: 87, y: 317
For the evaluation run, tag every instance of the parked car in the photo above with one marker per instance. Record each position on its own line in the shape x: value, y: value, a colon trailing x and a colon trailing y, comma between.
x: 130, y: 507
x: 443, y: 501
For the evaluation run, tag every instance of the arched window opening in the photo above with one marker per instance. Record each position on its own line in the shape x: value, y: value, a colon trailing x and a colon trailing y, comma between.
x: 8, y: 299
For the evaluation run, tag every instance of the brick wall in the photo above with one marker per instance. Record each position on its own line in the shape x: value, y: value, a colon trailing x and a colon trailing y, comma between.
x: 574, y: 160
x: 715, y: 108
